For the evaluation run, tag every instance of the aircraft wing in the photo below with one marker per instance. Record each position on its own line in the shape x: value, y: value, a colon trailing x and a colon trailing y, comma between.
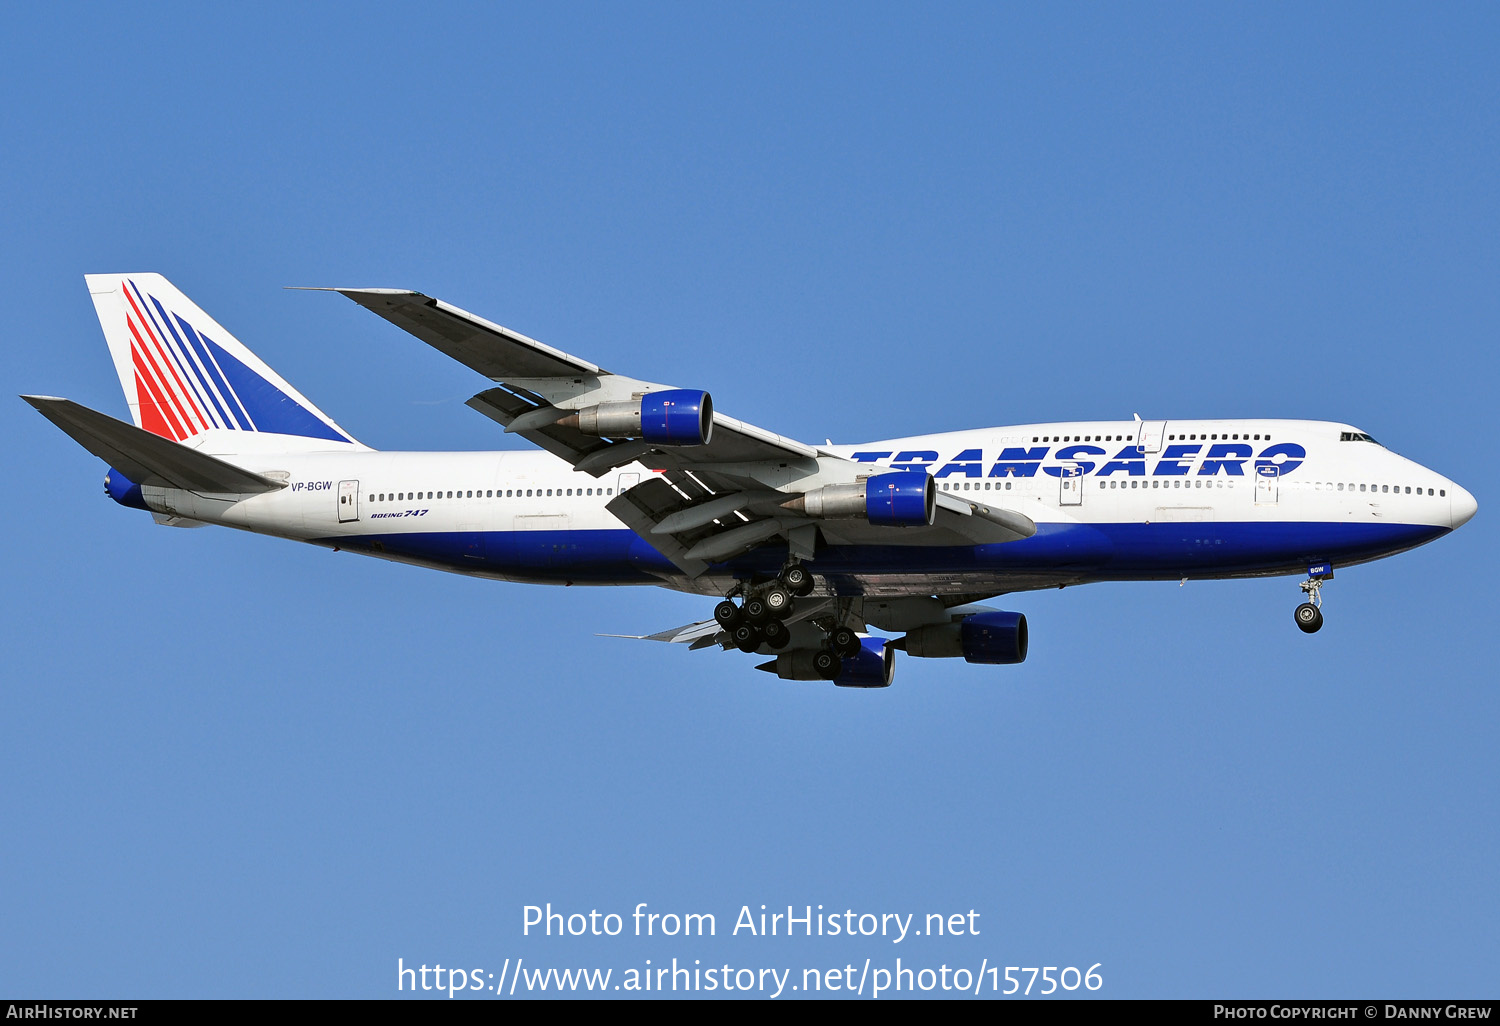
x: 534, y: 376
x: 482, y: 345
x: 711, y: 500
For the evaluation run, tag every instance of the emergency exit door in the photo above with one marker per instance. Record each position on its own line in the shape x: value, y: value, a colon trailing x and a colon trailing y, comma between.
x: 1149, y: 434
x: 348, y: 501
x: 1267, y: 479
x: 1070, y: 487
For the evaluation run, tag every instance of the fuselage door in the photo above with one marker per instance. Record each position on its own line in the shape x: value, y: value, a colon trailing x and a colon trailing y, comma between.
x: 627, y: 482
x: 348, y: 501
x: 1070, y: 487
x: 1150, y: 434
x: 1266, y: 481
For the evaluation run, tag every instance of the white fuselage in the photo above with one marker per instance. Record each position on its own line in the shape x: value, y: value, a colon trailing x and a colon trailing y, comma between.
x: 488, y: 513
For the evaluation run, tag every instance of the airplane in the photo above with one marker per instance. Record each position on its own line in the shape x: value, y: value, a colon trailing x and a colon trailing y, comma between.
x: 807, y: 548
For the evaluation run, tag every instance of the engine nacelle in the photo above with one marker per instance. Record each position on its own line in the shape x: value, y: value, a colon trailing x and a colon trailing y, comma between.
x: 123, y: 490
x: 998, y: 638
x: 994, y: 637
x: 795, y: 665
x: 673, y: 416
x: 905, y: 498
x: 874, y: 667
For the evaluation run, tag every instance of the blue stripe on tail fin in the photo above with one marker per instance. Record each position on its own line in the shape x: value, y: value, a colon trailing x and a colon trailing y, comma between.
x: 269, y: 408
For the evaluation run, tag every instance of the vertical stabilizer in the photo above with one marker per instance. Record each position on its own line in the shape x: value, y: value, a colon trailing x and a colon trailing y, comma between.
x: 185, y: 376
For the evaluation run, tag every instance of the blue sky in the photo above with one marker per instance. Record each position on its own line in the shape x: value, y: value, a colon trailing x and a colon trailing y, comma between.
x: 239, y: 767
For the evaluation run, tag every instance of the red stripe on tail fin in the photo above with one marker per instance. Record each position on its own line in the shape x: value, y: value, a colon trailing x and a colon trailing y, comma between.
x: 144, y: 362
x: 151, y: 417
x: 192, y: 417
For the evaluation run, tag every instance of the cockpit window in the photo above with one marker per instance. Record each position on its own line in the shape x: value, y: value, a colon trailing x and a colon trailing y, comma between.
x: 1356, y: 436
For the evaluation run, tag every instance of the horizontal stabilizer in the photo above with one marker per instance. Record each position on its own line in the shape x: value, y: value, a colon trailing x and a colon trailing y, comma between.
x: 146, y: 458
x: 694, y: 635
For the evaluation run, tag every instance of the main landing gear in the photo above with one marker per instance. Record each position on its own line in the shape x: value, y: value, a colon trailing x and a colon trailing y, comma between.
x: 1309, y: 615
x: 842, y: 643
x: 761, y: 619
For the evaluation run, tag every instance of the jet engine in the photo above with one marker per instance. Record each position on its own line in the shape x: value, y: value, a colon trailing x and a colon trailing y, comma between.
x: 873, y: 667
x: 673, y: 416
x: 906, y: 498
x: 123, y: 490
x: 997, y: 637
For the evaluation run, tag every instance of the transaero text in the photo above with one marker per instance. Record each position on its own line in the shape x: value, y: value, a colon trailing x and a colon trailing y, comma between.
x: 1209, y: 460
x: 750, y: 921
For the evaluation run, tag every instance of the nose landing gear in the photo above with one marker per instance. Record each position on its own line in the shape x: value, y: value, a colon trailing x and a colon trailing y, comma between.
x: 1309, y: 615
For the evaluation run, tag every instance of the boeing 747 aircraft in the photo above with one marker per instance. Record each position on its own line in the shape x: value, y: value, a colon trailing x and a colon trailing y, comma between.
x: 806, y: 547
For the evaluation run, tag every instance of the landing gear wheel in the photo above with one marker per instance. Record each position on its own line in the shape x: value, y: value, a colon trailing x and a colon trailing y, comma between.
x: 778, y: 602
x: 844, y: 642
x: 826, y: 664
x: 1309, y: 618
x: 776, y: 634
x: 1309, y: 614
x: 756, y: 610
x: 797, y: 580
x: 746, y: 637
x: 727, y: 614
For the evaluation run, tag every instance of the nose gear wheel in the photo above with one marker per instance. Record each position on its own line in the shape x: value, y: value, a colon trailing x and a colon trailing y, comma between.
x: 1309, y: 615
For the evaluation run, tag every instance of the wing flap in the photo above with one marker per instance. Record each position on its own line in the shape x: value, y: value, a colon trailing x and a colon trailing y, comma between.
x: 505, y: 406
x: 642, y: 507
x: 981, y: 523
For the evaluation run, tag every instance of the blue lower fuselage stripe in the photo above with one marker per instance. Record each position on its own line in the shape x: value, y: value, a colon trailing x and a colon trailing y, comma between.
x: 1099, y: 552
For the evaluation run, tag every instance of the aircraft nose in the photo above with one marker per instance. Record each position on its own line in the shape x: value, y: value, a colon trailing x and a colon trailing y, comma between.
x: 1461, y: 506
